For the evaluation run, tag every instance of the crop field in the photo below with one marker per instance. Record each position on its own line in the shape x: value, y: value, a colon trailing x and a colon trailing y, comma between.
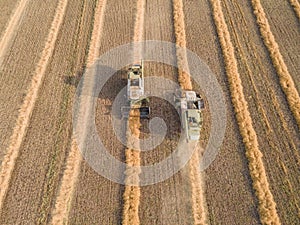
x: 48, y: 49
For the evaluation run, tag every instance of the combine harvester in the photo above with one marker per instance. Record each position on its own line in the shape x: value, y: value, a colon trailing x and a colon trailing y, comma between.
x: 189, y: 106
x: 135, y: 93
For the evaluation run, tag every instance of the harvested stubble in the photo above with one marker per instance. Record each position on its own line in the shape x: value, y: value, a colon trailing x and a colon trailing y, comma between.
x: 184, y: 80
x: 71, y: 173
x: 29, y: 102
x: 11, y: 28
x: 267, y: 206
x: 286, y: 81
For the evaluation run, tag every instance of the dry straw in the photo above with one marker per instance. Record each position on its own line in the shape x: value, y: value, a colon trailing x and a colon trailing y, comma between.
x: 179, y: 27
x: 74, y: 159
x: 296, y: 6
x: 267, y: 206
x: 131, y: 195
x: 184, y: 80
x: 286, y: 81
x: 29, y: 102
x: 11, y: 28
x: 198, y: 199
x: 70, y: 176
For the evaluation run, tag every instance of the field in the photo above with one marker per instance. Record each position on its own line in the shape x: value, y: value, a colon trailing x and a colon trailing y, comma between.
x: 47, y: 47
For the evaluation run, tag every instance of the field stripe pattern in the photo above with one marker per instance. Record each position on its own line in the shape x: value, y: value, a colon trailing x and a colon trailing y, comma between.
x: 45, y: 48
x: 74, y: 159
x: 272, y: 118
x: 11, y: 28
x: 71, y: 173
x: 28, y: 105
x: 186, y: 84
x: 286, y: 81
x: 267, y: 206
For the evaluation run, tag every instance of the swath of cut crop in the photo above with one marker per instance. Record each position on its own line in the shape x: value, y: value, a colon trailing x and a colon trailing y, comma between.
x: 179, y: 27
x: 131, y: 195
x: 267, y: 205
x: 11, y: 28
x: 71, y: 173
x: 184, y: 80
x: 97, y: 30
x: 138, y: 29
x: 296, y: 6
x: 199, y: 212
x: 286, y: 81
x: 29, y: 101
x: 62, y: 204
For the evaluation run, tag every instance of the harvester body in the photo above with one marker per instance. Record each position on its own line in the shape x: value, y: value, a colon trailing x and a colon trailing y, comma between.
x: 135, y: 84
x: 189, y: 106
x: 135, y: 93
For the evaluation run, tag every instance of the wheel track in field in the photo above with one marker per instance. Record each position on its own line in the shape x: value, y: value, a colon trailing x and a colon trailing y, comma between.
x: 243, y: 58
x: 198, y: 199
x: 251, y: 48
x: 29, y: 102
x: 286, y: 81
x: 267, y: 206
x: 11, y: 28
x: 52, y: 178
x: 60, y: 213
x: 131, y: 195
x: 296, y: 6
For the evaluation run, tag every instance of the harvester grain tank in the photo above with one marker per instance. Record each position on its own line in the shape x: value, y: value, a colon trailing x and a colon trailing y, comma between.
x: 135, y: 92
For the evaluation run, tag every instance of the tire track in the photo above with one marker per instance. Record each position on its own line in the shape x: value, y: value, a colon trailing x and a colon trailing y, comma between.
x: 285, y: 79
x: 280, y: 113
x: 241, y: 52
x: 270, y: 129
x: 11, y: 28
x: 267, y: 206
x: 131, y: 196
x: 72, y: 169
x: 296, y: 7
x: 184, y: 80
x: 52, y: 178
x: 29, y: 102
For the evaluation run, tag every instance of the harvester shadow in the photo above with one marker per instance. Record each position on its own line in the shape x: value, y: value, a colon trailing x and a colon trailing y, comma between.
x: 73, y: 80
x: 111, y: 89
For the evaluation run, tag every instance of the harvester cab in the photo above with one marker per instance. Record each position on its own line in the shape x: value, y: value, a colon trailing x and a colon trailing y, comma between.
x: 189, y: 105
x: 135, y: 93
